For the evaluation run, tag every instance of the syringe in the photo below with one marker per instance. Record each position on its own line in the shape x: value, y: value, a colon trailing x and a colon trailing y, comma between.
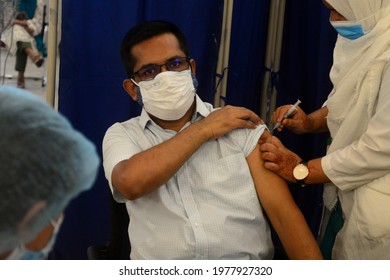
x: 288, y: 113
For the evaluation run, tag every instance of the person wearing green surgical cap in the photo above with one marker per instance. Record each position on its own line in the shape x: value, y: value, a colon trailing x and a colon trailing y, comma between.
x: 44, y: 164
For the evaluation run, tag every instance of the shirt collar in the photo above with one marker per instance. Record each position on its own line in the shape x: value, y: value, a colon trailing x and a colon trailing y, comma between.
x: 201, y: 109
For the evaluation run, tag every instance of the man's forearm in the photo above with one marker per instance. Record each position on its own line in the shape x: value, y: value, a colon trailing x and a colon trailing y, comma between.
x: 148, y: 170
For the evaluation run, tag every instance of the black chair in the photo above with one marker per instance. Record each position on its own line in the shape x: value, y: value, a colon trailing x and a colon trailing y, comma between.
x: 118, y: 246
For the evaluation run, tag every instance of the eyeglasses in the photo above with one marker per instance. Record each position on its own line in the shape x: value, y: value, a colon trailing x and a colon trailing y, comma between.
x: 176, y: 64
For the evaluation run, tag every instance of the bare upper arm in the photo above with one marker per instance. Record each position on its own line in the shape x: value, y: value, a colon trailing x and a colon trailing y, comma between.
x: 272, y: 190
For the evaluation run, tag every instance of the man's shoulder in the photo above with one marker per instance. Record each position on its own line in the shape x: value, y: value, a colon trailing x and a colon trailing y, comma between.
x: 246, y: 132
x: 125, y: 126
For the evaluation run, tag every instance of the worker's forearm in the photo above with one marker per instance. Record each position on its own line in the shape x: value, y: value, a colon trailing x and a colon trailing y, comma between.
x: 318, y: 121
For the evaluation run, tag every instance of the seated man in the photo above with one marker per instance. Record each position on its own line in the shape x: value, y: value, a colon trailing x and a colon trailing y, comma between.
x: 191, y: 176
x: 44, y: 164
x: 23, y: 37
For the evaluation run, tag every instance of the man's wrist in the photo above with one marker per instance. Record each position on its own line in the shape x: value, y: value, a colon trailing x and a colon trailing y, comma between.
x: 199, y: 131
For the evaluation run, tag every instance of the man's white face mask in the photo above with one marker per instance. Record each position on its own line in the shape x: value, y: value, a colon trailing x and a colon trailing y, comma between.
x: 169, y: 95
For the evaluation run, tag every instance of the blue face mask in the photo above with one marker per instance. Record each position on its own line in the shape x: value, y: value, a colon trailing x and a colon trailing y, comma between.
x: 349, y: 30
x: 22, y: 253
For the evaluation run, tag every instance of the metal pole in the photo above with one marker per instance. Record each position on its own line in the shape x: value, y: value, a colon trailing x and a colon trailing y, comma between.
x: 268, y: 60
x: 52, y: 53
x: 223, y: 55
x: 272, y: 58
x: 278, y: 47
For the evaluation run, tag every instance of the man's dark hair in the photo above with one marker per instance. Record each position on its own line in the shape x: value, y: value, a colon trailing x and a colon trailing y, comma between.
x: 144, y: 31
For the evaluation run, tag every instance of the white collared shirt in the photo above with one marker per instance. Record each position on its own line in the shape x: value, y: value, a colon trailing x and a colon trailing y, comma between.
x: 208, y: 210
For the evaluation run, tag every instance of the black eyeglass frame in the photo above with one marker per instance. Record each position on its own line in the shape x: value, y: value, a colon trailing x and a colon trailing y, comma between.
x: 186, y: 59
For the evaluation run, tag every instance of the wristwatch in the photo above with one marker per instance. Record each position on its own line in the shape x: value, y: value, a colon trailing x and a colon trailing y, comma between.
x: 300, y: 173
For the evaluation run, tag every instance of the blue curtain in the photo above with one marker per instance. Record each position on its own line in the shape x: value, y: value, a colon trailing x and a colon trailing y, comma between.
x: 306, y: 60
x: 91, y: 75
x: 247, y: 49
x: 91, y: 93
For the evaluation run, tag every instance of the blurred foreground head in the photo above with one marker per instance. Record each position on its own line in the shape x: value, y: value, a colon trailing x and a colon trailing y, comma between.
x: 44, y: 164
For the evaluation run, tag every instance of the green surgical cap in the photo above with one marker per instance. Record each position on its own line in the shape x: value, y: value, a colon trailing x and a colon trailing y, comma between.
x: 44, y: 163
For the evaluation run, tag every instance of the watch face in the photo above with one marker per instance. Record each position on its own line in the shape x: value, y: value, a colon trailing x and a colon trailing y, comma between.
x: 300, y: 172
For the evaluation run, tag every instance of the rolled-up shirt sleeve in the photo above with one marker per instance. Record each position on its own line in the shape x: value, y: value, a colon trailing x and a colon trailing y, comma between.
x: 117, y: 146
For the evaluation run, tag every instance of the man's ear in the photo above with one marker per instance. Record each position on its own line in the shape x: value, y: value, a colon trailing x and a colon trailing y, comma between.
x: 193, y: 66
x: 130, y: 88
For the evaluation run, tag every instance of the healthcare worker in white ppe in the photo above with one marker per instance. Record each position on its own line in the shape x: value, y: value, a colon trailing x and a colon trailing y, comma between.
x: 356, y: 168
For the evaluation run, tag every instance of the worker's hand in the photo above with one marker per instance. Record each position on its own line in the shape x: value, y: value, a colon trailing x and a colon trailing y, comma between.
x: 298, y: 122
x: 224, y: 120
x: 278, y: 158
